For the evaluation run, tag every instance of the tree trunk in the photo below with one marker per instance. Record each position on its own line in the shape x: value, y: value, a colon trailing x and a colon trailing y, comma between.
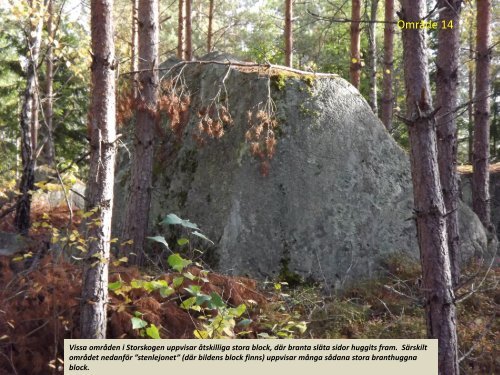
x: 189, y: 32
x: 470, y: 106
x: 481, y: 176
x: 35, y: 124
x: 288, y: 33
x: 448, y: 55
x: 428, y: 199
x: 372, y: 52
x: 387, y: 96
x: 181, y: 46
x: 101, y: 174
x: 23, y: 208
x: 133, y: 58
x: 355, y: 44
x: 137, y: 214
x: 47, y: 155
x: 210, y: 26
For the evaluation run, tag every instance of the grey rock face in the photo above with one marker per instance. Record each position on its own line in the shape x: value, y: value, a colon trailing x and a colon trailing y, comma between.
x: 466, y: 190
x: 338, y: 197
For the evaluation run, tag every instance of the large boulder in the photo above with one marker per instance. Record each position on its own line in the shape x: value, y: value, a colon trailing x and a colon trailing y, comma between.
x: 338, y: 196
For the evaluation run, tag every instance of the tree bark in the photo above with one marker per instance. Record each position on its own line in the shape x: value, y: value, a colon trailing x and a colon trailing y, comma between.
x: 27, y: 183
x: 387, y: 96
x: 210, y: 26
x: 47, y: 155
x: 481, y: 176
x: 470, y: 105
x: 448, y: 55
x: 181, y: 40
x: 428, y: 199
x: 288, y: 33
x: 101, y: 174
x: 189, y: 31
x: 355, y: 69
x: 134, y: 42
x: 372, y: 53
x: 137, y: 213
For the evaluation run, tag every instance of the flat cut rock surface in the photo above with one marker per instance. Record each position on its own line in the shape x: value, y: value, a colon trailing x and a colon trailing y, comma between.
x: 338, y: 197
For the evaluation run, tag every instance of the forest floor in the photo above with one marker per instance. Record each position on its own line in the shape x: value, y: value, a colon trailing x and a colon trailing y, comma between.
x: 467, y: 169
x: 40, y: 299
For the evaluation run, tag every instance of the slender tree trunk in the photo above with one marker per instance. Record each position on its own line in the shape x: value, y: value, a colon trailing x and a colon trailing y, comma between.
x: 428, y: 199
x: 47, y: 155
x: 448, y: 55
x: 137, y: 214
x: 481, y: 176
x: 23, y: 209
x: 210, y: 26
x: 355, y: 44
x: 372, y: 52
x: 101, y: 174
x: 35, y: 123
x: 133, y: 58
x: 470, y: 106
x: 189, y: 31
x: 387, y: 96
x: 288, y: 33
x: 181, y: 40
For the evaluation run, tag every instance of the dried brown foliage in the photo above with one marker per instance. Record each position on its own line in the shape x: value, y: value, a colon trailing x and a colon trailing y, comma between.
x: 262, y: 137
x: 213, y: 120
x: 40, y: 309
x: 174, y: 104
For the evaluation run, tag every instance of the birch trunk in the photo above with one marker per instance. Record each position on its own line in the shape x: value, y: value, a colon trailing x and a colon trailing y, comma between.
x: 23, y: 208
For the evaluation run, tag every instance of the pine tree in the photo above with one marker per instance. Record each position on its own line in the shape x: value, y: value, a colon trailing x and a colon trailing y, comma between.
x: 428, y: 199
x: 101, y: 174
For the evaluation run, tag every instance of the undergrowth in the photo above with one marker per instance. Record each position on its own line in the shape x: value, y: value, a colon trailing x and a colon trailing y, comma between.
x: 40, y: 302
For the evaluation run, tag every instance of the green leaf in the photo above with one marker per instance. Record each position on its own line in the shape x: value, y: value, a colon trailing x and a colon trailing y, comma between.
x: 182, y: 241
x: 137, y: 284
x: 237, y: 311
x: 152, y: 331
x: 190, y: 276
x: 217, y: 301
x: 177, y: 262
x: 202, y: 298
x: 114, y: 286
x: 159, y: 239
x: 201, y: 235
x: 177, y: 282
x: 173, y: 219
x: 138, y: 323
x: 186, y: 304
x: 244, y: 323
x: 201, y: 334
x: 167, y: 291
x: 194, y: 290
x: 157, y: 284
